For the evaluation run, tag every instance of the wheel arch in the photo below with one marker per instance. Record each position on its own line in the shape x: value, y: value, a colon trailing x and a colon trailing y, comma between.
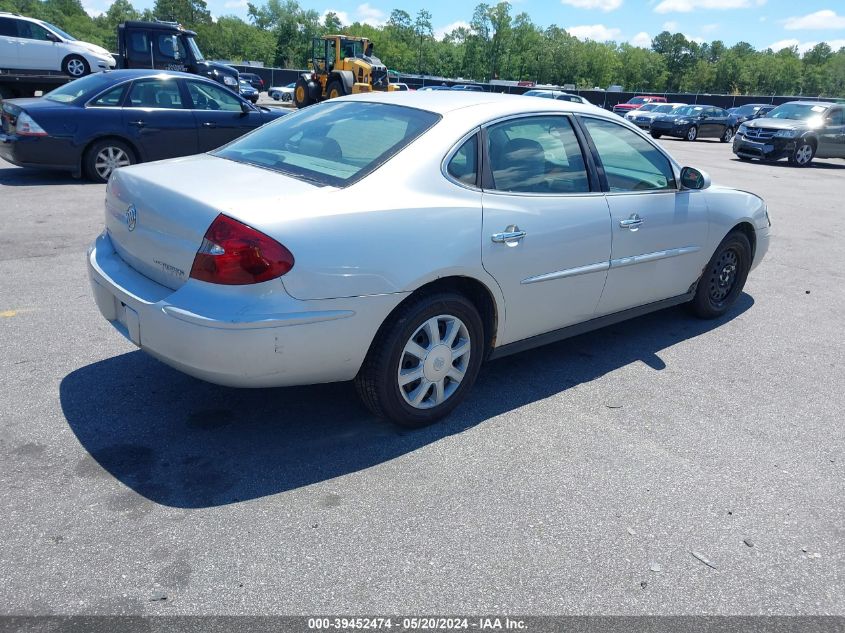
x: 745, y: 227
x: 346, y: 77
x: 102, y: 137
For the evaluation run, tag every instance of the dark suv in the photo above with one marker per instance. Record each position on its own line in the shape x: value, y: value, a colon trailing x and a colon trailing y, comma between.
x: 254, y: 80
x: 798, y: 131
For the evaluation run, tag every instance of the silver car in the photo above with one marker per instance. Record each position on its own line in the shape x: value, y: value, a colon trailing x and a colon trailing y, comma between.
x: 400, y: 239
x: 643, y: 117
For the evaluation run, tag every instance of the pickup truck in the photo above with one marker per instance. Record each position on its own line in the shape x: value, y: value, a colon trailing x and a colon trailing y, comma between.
x: 635, y: 103
x: 162, y: 45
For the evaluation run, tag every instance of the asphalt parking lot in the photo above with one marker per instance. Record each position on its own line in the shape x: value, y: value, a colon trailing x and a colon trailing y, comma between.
x: 590, y: 476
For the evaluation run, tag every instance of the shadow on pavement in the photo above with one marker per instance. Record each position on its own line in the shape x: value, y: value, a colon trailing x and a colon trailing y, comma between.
x: 26, y: 177
x: 816, y: 164
x: 185, y: 443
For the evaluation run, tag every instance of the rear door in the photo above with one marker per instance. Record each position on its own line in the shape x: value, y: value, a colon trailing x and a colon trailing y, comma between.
x: 37, y: 51
x: 9, y: 55
x: 658, y: 230
x: 219, y: 114
x: 156, y: 120
x: 545, y: 230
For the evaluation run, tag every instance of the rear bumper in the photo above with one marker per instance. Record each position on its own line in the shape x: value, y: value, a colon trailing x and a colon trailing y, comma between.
x: 769, y: 149
x: 44, y: 152
x: 260, y: 339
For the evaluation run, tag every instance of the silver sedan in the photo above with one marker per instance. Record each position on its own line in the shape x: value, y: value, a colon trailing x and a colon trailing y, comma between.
x: 400, y: 239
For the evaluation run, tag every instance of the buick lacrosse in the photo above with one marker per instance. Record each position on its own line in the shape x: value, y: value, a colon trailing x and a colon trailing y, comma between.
x: 400, y: 239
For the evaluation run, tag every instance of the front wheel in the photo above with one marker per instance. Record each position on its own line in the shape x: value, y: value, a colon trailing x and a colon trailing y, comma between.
x: 423, y: 361
x: 803, y: 154
x: 692, y: 133
x: 75, y: 66
x: 727, y: 135
x: 104, y: 157
x: 301, y: 94
x: 335, y: 89
x: 723, y: 278
x: 656, y: 135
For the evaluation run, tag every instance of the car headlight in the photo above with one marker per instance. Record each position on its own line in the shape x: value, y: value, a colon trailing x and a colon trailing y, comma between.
x: 786, y: 133
x: 229, y: 80
x: 682, y: 121
x: 743, y: 129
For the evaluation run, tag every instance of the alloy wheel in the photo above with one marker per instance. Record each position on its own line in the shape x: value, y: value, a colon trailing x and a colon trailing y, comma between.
x: 692, y: 133
x: 76, y: 67
x: 804, y: 154
x: 434, y: 361
x: 108, y: 159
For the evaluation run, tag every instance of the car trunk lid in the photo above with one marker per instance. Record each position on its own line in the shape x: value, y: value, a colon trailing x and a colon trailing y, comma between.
x: 158, y: 213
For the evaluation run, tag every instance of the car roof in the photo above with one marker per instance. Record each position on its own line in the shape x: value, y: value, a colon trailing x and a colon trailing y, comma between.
x: 135, y: 73
x: 824, y: 103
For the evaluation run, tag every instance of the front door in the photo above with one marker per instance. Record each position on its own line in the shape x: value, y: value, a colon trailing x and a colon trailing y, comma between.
x: 545, y: 231
x: 156, y: 120
x: 8, y: 43
x: 36, y: 50
x: 219, y: 115
x: 658, y: 230
x: 832, y: 135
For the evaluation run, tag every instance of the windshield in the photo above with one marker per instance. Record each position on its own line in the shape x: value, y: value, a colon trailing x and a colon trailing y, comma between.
x: 195, y: 49
x: 647, y: 107
x: 746, y: 109
x: 663, y: 108
x: 56, y: 29
x: 540, y: 93
x: 638, y: 100
x: 688, y: 110
x: 332, y: 143
x: 76, y: 89
x: 798, y: 111
x: 351, y: 48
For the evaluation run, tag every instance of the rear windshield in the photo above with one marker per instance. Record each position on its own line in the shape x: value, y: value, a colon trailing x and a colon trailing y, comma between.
x: 331, y: 143
x: 80, y: 87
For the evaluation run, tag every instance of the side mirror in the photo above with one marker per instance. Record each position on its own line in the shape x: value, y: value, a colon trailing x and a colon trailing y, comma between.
x: 245, y: 107
x: 694, y: 179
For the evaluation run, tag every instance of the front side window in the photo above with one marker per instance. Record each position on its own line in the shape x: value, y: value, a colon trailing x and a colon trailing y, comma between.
x: 464, y: 164
x: 170, y: 47
x: 837, y: 117
x: 332, y: 143
x: 630, y: 162
x: 155, y: 93
x: 536, y: 155
x: 207, y: 96
x: 32, y: 31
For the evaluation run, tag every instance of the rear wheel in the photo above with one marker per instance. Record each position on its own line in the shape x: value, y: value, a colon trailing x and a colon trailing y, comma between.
x: 803, y: 154
x: 301, y: 94
x: 723, y: 278
x: 75, y: 66
x: 103, y: 157
x: 692, y: 133
x: 423, y: 361
x: 335, y: 89
x: 656, y: 135
x: 727, y: 135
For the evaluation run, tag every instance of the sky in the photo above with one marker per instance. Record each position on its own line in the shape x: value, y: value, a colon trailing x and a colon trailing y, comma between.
x: 763, y: 23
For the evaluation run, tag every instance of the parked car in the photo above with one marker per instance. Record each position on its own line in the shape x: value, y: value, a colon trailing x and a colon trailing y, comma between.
x: 643, y: 117
x: 470, y: 87
x: 215, y: 281
x: 764, y: 110
x: 691, y: 122
x: 283, y: 93
x: 435, y: 88
x: 798, y: 131
x: 634, y: 103
x: 247, y: 91
x: 403, y: 87
x: 555, y: 94
x: 30, y: 44
x: 254, y: 80
x: 747, y: 112
x: 98, y: 123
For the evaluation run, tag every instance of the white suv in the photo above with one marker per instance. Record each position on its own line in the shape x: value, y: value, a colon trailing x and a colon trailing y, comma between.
x: 30, y: 44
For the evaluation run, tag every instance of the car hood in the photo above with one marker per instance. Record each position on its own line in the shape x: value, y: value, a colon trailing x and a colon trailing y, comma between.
x: 778, y: 124
x: 92, y: 48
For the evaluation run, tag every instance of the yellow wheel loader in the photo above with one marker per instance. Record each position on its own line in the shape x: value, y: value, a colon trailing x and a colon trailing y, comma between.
x: 341, y: 65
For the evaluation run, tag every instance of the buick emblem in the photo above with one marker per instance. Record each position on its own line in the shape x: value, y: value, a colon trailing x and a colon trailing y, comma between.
x: 131, y: 217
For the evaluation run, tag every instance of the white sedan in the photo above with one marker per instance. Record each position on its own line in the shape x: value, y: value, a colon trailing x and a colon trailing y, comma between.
x: 399, y: 239
x: 282, y: 93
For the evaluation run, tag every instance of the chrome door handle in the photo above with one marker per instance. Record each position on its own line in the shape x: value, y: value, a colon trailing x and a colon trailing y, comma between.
x: 633, y: 222
x: 510, y: 235
x: 137, y: 123
x: 209, y: 124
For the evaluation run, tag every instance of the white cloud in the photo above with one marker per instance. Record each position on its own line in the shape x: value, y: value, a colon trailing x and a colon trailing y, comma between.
x: 601, y: 5
x: 641, y: 39
x: 235, y: 4
x: 596, y: 32
x: 803, y: 47
x: 825, y: 19
x: 443, y: 31
x: 370, y: 15
x: 94, y: 13
x: 687, y: 6
x: 671, y: 26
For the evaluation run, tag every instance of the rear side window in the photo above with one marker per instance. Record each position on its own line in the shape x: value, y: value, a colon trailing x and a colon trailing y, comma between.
x: 332, y: 143
x: 8, y: 27
x: 630, y: 162
x: 110, y: 99
x: 155, y: 93
x: 537, y: 155
x: 464, y: 164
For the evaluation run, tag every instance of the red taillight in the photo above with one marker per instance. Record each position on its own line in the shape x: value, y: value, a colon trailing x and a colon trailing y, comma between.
x: 233, y: 253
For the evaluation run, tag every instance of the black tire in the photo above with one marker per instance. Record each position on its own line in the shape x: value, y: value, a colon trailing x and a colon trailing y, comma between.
x: 75, y: 66
x: 727, y: 135
x: 744, y: 158
x: 723, y: 278
x: 377, y: 382
x: 335, y: 89
x: 286, y: 96
x: 656, y: 135
x: 302, y: 94
x: 276, y: 96
x: 692, y: 133
x: 803, y: 154
x: 100, y: 151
